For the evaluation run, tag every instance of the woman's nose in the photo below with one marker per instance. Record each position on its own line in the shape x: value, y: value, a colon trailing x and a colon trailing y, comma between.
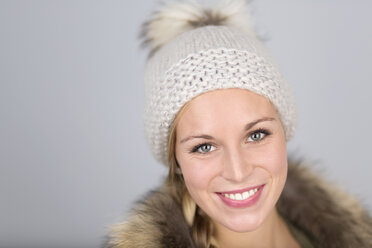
x: 236, y: 166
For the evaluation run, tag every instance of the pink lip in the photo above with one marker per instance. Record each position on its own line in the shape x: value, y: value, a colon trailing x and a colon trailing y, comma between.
x: 240, y: 190
x: 244, y: 203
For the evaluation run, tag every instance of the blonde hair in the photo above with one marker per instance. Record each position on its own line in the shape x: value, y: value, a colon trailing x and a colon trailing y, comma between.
x: 200, y: 224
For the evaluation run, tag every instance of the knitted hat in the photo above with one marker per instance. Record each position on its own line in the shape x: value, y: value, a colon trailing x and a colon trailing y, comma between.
x: 195, y: 50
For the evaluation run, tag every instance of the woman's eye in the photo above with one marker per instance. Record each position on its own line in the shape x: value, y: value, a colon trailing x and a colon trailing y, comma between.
x: 204, y: 148
x: 256, y: 136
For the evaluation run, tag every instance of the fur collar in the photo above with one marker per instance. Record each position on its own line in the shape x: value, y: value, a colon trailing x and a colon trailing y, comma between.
x: 327, y: 215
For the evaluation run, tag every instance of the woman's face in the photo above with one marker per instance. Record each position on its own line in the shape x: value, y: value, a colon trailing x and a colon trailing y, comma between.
x: 230, y: 145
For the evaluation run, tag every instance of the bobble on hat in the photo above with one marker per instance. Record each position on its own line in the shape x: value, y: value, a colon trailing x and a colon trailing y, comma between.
x: 175, y: 18
x: 195, y: 50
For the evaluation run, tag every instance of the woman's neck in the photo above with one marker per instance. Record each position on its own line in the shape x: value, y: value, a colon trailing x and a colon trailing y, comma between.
x: 273, y: 233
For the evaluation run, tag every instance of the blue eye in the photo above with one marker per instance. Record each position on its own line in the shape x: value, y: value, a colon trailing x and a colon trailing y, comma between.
x: 204, y: 148
x: 257, y: 136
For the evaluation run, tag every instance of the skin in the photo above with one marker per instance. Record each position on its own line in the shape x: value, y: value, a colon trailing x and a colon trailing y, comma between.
x: 244, y: 146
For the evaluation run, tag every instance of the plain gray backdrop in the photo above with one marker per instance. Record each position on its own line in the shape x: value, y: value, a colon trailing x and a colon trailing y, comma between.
x: 73, y: 156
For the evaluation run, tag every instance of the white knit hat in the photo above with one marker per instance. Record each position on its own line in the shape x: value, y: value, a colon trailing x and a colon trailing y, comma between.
x: 195, y: 50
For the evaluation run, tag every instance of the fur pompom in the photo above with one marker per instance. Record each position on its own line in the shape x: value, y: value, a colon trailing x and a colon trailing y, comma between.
x: 176, y: 17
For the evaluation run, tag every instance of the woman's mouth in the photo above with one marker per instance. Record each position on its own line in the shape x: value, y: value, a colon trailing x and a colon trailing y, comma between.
x: 241, y: 198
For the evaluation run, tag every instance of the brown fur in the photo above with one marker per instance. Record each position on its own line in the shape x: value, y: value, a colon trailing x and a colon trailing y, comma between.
x: 328, y: 216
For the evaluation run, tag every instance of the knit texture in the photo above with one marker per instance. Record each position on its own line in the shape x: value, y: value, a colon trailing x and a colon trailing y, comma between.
x: 206, y: 59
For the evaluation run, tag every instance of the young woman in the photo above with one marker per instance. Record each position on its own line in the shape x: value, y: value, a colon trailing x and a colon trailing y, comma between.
x: 219, y: 114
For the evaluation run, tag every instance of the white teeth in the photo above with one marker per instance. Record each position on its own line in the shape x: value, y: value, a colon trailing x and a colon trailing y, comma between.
x: 238, y: 197
x: 241, y: 196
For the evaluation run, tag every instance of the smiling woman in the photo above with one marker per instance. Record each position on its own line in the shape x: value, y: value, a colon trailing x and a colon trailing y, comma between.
x: 225, y: 137
x: 219, y: 114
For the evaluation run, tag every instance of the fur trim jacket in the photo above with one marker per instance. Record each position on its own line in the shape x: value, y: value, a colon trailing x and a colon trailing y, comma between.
x: 326, y: 215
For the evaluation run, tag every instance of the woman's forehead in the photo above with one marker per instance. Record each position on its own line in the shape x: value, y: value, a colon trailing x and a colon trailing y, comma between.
x: 230, y: 107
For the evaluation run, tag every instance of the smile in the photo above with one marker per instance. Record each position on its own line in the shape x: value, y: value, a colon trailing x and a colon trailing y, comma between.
x: 241, y: 198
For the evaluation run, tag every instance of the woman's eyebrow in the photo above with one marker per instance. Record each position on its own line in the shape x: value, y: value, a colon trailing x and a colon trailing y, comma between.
x: 203, y: 136
x: 253, y: 123
x: 247, y: 127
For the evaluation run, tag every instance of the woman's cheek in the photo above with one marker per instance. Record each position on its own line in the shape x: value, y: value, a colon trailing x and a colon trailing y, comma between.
x: 198, y: 173
x: 277, y: 162
x: 275, y: 155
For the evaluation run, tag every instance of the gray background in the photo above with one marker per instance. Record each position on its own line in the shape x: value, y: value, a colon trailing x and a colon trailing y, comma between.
x: 72, y: 151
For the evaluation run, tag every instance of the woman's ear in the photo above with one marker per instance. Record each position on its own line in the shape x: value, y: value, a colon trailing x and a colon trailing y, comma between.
x: 178, y: 170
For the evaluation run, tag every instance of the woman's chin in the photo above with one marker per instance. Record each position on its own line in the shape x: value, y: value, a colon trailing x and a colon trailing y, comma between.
x: 243, y: 224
